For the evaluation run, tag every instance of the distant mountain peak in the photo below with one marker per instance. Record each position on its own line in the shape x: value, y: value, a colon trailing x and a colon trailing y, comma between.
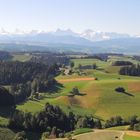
x: 67, y: 32
x: 3, y: 31
x: 100, y: 36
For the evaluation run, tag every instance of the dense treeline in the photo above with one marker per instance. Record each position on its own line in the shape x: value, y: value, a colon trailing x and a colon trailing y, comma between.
x: 133, y: 70
x: 93, y: 66
x: 122, y: 63
x: 21, y: 72
x: 100, y: 56
x: 25, y: 79
x: 53, y: 120
x: 136, y: 57
x: 5, y: 55
x: 50, y: 58
x: 55, y: 123
x: 5, y: 97
x: 133, y: 122
x: 20, y: 92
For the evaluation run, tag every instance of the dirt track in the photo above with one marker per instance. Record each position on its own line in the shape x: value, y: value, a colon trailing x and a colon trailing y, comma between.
x: 133, y: 133
x: 76, y: 79
x: 101, y: 135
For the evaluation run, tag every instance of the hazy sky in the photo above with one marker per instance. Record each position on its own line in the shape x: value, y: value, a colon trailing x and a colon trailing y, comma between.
x: 105, y: 15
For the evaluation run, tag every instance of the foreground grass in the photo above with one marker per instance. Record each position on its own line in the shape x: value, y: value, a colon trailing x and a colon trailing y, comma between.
x: 81, y: 131
x: 120, y: 128
x: 127, y: 137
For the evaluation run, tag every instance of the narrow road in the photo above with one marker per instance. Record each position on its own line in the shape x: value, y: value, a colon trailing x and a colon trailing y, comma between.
x: 121, y: 137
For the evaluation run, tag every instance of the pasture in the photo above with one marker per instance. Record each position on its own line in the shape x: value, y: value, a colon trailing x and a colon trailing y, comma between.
x: 100, y: 97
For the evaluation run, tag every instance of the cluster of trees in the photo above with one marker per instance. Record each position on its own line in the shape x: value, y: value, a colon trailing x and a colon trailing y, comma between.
x: 25, y: 79
x: 5, y: 55
x: 122, y: 63
x: 22, y: 72
x: 5, y: 97
x: 115, y: 121
x: 20, y: 136
x: 99, y: 56
x: 20, y: 92
x: 133, y: 122
x: 93, y: 66
x: 75, y: 91
x: 133, y: 70
x: 120, y: 89
x: 50, y: 58
x: 136, y: 57
x: 51, y: 120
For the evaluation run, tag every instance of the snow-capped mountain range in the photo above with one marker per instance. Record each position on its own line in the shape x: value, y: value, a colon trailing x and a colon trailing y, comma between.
x: 88, y: 41
x: 87, y: 34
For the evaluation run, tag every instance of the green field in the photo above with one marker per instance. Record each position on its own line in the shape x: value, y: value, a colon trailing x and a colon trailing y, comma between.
x: 21, y: 57
x: 81, y: 131
x: 100, y: 100
x: 83, y: 62
x: 127, y: 137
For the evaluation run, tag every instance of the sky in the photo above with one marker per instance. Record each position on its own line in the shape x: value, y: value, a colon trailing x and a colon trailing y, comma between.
x: 122, y: 16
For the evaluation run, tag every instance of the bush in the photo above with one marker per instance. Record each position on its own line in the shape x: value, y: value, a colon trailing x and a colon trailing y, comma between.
x: 20, y: 136
x: 137, y: 127
x: 120, y: 89
x: 45, y: 135
x: 75, y: 91
x: 61, y: 135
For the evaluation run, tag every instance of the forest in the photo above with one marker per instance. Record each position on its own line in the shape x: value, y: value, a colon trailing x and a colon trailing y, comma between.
x: 21, y: 80
x: 133, y: 70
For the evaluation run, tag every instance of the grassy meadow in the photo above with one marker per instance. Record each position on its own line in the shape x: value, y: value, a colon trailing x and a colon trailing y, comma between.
x: 128, y: 137
x: 100, y: 98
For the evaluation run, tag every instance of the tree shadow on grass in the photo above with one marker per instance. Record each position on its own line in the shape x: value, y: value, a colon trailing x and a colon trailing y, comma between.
x: 126, y: 93
x: 7, y: 111
x: 78, y: 94
x: 55, y: 88
x: 81, y: 94
x: 129, y: 94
